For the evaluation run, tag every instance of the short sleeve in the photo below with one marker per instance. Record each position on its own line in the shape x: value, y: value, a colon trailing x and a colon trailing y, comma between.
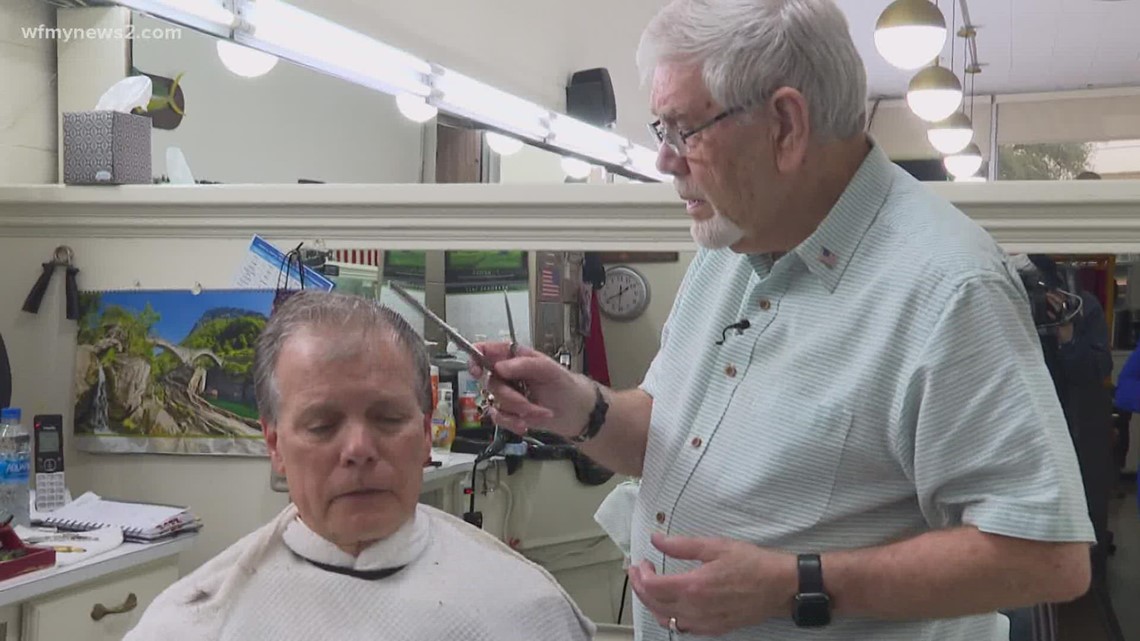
x: 982, y: 433
x: 649, y: 384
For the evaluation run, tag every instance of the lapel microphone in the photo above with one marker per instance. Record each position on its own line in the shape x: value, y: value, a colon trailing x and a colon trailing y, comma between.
x: 739, y: 326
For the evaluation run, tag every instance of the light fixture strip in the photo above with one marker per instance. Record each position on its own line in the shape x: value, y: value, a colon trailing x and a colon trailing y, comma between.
x: 643, y: 161
x: 307, y: 39
x: 583, y: 138
x: 208, y: 16
x: 464, y: 96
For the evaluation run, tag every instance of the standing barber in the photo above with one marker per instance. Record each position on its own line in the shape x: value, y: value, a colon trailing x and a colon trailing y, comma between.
x: 880, y: 455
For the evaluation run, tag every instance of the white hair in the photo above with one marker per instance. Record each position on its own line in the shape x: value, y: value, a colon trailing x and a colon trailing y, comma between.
x: 747, y: 49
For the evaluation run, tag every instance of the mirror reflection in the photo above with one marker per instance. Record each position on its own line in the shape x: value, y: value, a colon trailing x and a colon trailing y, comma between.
x: 289, y: 124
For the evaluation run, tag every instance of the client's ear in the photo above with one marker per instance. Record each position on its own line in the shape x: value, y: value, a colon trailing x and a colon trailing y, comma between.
x: 275, y: 458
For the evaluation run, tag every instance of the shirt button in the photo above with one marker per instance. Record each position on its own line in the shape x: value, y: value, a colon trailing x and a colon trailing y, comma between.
x: 696, y: 442
x: 765, y: 304
x: 660, y: 517
x: 730, y: 371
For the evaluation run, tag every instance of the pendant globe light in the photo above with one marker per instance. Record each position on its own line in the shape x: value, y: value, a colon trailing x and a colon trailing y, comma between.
x: 910, y: 33
x: 951, y: 136
x: 964, y: 163
x: 934, y: 93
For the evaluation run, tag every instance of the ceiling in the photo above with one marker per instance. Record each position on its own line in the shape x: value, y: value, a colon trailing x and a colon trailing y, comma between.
x: 1024, y: 45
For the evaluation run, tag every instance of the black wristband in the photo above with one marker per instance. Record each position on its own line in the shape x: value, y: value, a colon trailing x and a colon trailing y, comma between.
x: 597, y: 417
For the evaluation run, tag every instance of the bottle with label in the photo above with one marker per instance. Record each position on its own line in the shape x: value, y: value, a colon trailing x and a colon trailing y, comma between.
x: 15, y: 461
x: 434, y: 386
x: 443, y: 420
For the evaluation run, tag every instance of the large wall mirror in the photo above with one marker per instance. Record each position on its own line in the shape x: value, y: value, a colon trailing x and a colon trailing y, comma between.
x: 286, y: 125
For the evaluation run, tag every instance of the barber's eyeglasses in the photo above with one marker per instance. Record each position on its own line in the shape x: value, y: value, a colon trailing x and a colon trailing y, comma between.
x: 678, y: 140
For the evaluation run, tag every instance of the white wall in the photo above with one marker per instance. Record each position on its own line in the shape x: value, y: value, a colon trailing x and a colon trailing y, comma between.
x: 608, y: 34
x: 631, y: 345
x: 27, y: 98
x: 288, y: 124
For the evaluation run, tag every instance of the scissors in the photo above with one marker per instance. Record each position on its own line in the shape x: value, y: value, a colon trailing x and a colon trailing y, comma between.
x: 461, y: 342
x: 448, y: 330
x: 511, y: 326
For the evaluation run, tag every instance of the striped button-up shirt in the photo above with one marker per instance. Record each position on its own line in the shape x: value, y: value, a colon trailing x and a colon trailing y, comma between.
x: 890, y: 383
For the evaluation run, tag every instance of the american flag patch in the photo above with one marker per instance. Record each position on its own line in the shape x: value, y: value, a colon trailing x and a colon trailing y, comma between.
x: 827, y: 257
x: 549, y: 284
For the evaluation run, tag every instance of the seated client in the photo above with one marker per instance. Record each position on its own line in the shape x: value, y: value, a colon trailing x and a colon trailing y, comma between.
x: 344, y: 391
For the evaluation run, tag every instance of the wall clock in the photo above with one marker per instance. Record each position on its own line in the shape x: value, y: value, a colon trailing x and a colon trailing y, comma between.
x: 625, y: 295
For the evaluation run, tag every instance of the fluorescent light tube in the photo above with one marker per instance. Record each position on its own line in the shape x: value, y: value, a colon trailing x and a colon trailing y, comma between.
x: 310, y: 40
x: 468, y: 98
x: 582, y: 138
x: 204, y: 15
x: 643, y: 161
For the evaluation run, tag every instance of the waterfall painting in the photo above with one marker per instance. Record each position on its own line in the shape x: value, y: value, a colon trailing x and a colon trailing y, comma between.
x: 169, y: 371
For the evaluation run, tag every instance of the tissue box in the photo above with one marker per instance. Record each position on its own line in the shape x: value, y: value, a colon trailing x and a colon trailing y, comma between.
x: 106, y: 148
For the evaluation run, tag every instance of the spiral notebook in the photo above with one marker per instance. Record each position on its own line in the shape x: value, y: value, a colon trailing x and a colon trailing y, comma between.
x: 138, y: 521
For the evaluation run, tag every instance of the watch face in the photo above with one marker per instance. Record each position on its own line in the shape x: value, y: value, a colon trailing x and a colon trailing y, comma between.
x: 812, y: 610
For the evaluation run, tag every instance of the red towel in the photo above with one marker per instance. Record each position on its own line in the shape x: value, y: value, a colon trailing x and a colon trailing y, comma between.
x: 597, y: 366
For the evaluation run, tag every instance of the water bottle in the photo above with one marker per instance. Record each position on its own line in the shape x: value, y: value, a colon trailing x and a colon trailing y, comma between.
x: 15, y: 461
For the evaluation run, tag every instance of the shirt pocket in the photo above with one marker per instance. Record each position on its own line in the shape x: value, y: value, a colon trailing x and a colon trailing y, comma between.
x: 779, y: 479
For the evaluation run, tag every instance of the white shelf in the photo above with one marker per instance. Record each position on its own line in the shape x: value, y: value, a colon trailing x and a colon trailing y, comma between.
x: 1072, y: 216
x: 124, y: 557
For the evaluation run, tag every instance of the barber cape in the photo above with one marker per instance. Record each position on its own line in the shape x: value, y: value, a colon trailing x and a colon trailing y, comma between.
x: 436, y: 578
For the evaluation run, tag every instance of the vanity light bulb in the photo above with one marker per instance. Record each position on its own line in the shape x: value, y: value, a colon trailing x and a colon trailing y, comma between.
x: 415, y: 108
x: 574, y: 168
x: 245, y: 62
x: 503, y: 145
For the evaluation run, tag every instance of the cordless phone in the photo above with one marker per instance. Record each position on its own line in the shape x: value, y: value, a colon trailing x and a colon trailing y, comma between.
x: 50, y: 485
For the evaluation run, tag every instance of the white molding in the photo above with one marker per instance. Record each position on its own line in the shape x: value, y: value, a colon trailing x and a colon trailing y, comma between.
x: 1078, y: 94
x: 1071, y: 216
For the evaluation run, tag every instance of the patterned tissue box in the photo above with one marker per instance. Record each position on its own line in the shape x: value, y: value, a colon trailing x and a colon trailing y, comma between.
x: 106, y: 148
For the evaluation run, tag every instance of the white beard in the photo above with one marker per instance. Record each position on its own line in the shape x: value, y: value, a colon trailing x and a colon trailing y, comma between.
x: 717, y: 232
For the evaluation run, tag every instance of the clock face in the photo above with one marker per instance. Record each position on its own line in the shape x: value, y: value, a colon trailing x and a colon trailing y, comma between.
x: 625, y: 295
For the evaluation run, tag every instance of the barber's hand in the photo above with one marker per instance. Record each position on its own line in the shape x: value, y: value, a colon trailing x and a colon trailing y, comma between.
x: 557, y: 400
x: 737, y: 585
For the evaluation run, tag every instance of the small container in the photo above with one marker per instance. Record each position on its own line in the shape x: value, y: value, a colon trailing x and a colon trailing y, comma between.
x: 470, y: 416
x: 434, y: 385
x: 443, y: 421
x: 18, y: 558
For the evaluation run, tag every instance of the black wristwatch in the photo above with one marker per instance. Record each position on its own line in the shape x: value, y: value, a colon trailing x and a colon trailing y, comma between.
x: 813, y: 606
x: 596, y: 419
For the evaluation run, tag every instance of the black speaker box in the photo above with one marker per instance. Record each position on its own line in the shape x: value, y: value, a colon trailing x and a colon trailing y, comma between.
x: 590, y: 97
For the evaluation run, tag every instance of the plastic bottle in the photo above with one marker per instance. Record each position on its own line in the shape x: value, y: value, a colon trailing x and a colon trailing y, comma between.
x: 434, y: 386
x: 443, y: 420
x: 15, y: 461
